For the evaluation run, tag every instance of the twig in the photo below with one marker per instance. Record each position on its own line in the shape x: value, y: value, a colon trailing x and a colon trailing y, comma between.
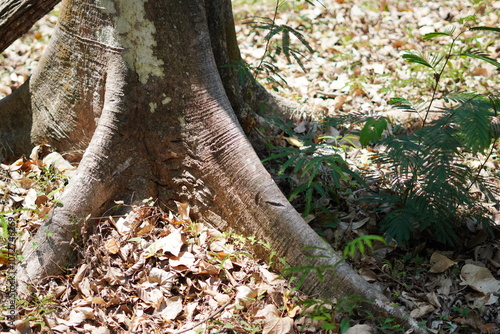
x: 219, y: 310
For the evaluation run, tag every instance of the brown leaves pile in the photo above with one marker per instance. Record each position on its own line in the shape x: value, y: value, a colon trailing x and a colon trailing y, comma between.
x: 156, y: 271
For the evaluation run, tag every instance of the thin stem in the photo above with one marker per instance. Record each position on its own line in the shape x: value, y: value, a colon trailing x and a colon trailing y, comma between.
x: 437, y: 77
x: 269, y: 40
x: 480, y: 169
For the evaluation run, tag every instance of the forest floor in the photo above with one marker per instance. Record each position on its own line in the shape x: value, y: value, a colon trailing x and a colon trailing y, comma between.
x: 157, y: 269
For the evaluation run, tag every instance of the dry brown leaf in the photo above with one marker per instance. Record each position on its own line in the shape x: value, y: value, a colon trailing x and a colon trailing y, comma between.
x: 84, y: 287
x: 183, y: 210
x: 245, y: 295
x: 439, y: 263
x: 205, y: 268
x: 421, y: 310
x: 76, y: 316
x: 479, y: 278
x: 58, y: 161
x: 184, y: 261
x: 112, y: 246
x: 172, y: 309
x: 160, y: 276
x: 80, y: 273
x: 172, y: 244
x: 98, y: 301
x: 123, y: 225
x: 273, y: 323
x: 359, y: 329
x: 368, y: 275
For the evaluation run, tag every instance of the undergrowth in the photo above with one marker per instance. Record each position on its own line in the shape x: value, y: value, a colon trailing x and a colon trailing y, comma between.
x: 428, y: 179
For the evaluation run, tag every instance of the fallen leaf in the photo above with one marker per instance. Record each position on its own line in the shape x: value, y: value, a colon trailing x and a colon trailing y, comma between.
x: 439, y: 263
x: 245, y: 295
x: 273, y: 323
x: 183, y: 210
x: 359, y: 329
x: 294, y: 141
x: 173, y: 308
x: 160, y: 276
x: 421, y: 310
x: 479, y: 278
x: 184, y: 261
x: 76, y: 316
x: 172, y: 243
x: 58, y: 161
x: 112, y: 246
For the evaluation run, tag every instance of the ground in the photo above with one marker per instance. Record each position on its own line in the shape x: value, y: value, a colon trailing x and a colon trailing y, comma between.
x: 157, y: 268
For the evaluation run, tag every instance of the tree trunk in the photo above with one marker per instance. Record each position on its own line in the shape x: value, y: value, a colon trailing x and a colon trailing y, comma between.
x: 135, y: 90
x: 18, y: 16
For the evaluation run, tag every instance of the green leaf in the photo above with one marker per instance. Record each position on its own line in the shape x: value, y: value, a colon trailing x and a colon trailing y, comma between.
x: 467, y: 18
x: 494, y: 29
x: 434, y: 35
x: 5, y: 226
x: 372, y: 131
x: 413, y: 58
x: 481, y: 56
x: 344, y: 325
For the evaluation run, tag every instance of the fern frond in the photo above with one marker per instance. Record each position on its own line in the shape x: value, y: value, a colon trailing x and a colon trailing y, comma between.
x: 398, y: 225
x: 417, y: 58
x: 445, y: 232
x: 302, y: 40
x: 493, y: 29
x: 298, y: 60
x: 406, y: 105
x: 473, y: 119
x: 285, y: 42
x: 479, y: 54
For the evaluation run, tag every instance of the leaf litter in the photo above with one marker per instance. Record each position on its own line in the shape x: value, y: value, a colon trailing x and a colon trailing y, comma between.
x: 153, y: 268
x: 145, y: 271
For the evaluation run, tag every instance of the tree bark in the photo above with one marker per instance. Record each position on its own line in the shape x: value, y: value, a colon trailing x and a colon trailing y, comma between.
x: 18, y: 16
x: 136, y: 86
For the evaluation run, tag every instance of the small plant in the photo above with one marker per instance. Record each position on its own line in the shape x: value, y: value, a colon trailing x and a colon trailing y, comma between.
x: 316, y: 167
x: 286, y: 47
x: 37, y: 309
x: 428, y: 179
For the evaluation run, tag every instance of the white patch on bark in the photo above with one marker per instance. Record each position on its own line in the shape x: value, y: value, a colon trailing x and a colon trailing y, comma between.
x: 136, y: 34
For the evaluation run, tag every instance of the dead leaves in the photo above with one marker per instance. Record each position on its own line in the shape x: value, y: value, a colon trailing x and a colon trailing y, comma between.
x: 440, y: 263
x: 274, y: 323
x: 151, y: 270
x: 480, y: 279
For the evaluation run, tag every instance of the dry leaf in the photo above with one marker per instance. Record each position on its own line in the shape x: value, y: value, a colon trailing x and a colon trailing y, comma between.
x: 421, y: 310
x: 183, y: 210
x: 160, y: 276
x: 58, y: 161
x: 185, y: 260
x: 80, y: 273
x: 479, y: 278
x: 294, y: 141
x: 172, y: 243
x: 78, y: 315
x: 245, y: 295
x: 368, y: 275
x: 173, y: 308
x: 359, y: 329
x: 112, y: 246
x: 439, y: 263
x: 273, y: 323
